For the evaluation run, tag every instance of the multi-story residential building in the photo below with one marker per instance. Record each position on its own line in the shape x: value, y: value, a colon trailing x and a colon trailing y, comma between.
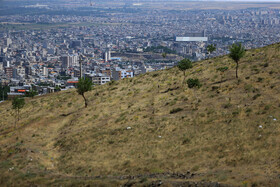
x: 9, y: 72
x: 118, y: 73
x: 98, y: 78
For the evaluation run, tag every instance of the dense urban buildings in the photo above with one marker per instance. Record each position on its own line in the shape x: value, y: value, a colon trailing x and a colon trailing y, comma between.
x: 46, y: 50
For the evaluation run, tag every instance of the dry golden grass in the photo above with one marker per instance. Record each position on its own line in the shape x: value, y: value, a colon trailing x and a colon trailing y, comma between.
x: 216, y: 134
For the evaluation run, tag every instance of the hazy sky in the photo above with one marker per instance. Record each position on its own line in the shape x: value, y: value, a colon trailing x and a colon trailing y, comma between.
x: 150, y: 0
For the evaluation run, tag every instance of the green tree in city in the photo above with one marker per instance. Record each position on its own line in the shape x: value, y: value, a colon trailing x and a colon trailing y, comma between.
x: 237, y: 51
x: 164, y: 55
x: 31, y: 93
x: 17, y: 104
x: 57, y: 88
x: 183, y: 65
x: 4, y: 90
x: 211, y: 48
x: 84, y: 85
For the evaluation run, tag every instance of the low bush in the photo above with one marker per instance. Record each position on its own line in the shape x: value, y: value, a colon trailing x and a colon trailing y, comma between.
x: 175, y: 110
x: 193, y: 83
x: 228, y: 105
x: 256, y: 96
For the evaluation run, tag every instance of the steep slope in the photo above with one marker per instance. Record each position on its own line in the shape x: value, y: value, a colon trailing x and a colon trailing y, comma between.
x: 152, y: 127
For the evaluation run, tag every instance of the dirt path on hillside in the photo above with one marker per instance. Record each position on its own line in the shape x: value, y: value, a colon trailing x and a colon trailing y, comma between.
x: 39, y: 138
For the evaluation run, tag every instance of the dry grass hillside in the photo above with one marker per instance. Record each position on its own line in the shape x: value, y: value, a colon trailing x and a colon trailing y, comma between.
x: 150, y: 128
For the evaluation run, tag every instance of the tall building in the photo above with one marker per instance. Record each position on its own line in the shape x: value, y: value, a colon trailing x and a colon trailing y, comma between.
x: 6, y: 63
x: 65, y: 61
x: 107, y: 55
x: 45, y: 71
x: 8, y: 42
x: 69, y: 61
x: 74, y: 60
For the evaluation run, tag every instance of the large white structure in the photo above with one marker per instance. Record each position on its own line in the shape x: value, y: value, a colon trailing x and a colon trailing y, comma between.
x: 191, y: 39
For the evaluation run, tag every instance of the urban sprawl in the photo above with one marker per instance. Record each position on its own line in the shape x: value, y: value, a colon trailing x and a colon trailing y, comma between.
x: 119, y: 44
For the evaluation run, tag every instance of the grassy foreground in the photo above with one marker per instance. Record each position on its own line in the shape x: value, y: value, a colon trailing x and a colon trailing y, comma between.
x: 150, y: 126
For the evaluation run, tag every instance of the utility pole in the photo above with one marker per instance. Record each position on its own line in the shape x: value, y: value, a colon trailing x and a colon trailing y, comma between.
x: 80, y: 61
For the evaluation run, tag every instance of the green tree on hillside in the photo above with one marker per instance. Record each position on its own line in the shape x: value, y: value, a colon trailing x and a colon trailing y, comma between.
x: 211, y: 48
x: 84, y: 85
x: 17, y: 104
x: 183, y: 65
x: 237, y: 51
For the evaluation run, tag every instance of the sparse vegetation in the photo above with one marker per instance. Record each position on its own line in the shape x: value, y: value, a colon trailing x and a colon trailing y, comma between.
x: 228, y: 136
x: 222, y: 71
x: 256, y: 96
